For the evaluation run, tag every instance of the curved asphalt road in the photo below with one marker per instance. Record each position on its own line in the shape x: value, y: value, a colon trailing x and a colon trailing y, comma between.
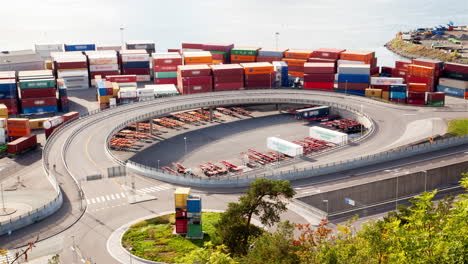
x: 86, y: 156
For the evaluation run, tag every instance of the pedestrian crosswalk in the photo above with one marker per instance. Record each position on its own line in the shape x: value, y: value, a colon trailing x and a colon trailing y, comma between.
x: 7, y: 258
x: 122, y: 195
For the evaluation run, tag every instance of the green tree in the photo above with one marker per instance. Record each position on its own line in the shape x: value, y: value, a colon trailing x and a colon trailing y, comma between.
x: 277, y: 247
x: 266, y: 199
x: 208, y: 254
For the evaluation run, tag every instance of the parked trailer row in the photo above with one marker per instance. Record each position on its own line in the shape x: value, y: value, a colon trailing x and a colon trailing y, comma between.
x: 348, y: 126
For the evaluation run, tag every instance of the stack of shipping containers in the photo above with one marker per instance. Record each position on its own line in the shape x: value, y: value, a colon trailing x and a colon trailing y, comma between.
x: 259, y: 75
x: 136, y: 62
x: 353, y: 78
x: 197, y: 58
x: 194, y: 79
x: 37, y: 92
x: 221, y: 53
x: 102, y: 63
x: 165, y: 67
x: 105, y: 92
x: 319, y: 76
x: 244, y: 54
x: 381, y: 85
x: 17, y: 127
x: 360, y: 57
x: 44, y: 50
x: 124, y: 88
x: 9, y: 91
x: 454, y: 80
x: 281, y: 71
x: 62, y: 103
x: 194, y: 217
x: 270, y: 55
x: 397, y: 93
x: 296, y: 60
x: 227, y: 77
x: 180, y: 199
x: 72, y: 67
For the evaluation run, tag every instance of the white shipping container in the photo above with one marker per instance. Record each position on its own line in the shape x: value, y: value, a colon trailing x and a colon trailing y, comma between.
x: 2, y: 140
x: 163, y: 89
x: 3, y: 122
x: 127, y: 94
x: 3, y: 132
x: 53, y: 122
x: 285, y: 147
x: 145, y: 92
x: 131, y: 84
x: 354, y: 69
x: 73, y: 73
x: 341, y: 62
x: 328, y: 135
x: 112, y: 101
x: 453, y: 83
x: 386, y: 80
x: 104, y: 67
x: 101, y: 61
x: 49, y: 47
x: 143, y: 78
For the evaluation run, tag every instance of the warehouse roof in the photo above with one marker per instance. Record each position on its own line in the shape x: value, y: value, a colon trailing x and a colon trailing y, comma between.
x: 19, y: 56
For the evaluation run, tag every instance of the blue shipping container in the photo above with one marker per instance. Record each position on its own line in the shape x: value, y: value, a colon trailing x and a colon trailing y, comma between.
x: 352, y: 92
x: 194, y: 205
x: 63, y: 92
x: 8, y: 95
x: 7, y: 86
x: 398, y: 88
x: 65, y: 109
x: 102, y: 91
x: 270, y: 53
x: 398, y: 95
x: 136, y: 65
x: 353, y: 78
x: 79, y: 47
x: 40, y: 109
x: 451, y: 91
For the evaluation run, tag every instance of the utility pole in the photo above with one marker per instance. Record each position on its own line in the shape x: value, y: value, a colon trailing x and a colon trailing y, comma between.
x: 277, y: 39
x: 122, y: 28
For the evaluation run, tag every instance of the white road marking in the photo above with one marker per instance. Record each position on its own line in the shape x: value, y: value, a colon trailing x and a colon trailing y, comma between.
x: 98, y: 199
x: 112, y: 197
x: 93, y: 201
x: 88, y: 201
x: 107, y: 198
x: 123, y: 195
x: 118, y: 196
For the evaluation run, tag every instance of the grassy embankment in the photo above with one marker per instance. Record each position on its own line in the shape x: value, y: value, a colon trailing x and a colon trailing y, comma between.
x: 408, y: 49
x: 458, y: 127
x: 154, y: 240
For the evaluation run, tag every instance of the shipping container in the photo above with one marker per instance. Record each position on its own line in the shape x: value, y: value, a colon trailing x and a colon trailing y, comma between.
x: 79, y: 47
x: 452, y: 91
x: 22, y: 144
x: 353, y: 78
x: 319, y: 85
x: 453, y: 83
x: 328, y: 135
x: 194, y: 70
x: 326, y: 53
x: 360, y: 69
x: 40, y: 92
x: 319, y: 77
x: 298, y: 54
x: 386, y: 81
x: 245, y: 51
x: 40, y: 109
x: 258, y: 68
x: 374, y: 93
x: 364, y: 56
x: 311, y: 67
x: 285, y: 147
x: 180, y: 197
x: 318, y: 111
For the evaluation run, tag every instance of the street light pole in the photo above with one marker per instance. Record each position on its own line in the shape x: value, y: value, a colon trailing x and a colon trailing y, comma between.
x: 158, y: 164
x: 326, y: 201
x: 396, y: 194
x: 425, y: 181
x: 277, y: 39
x: 122, y: 28
x: 185, y: 142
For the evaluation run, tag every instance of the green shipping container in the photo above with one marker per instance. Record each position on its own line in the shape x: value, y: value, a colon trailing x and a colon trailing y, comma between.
x: 220, y: 52
x: 37, y: 84
x: 165, y: 75
x: 245, y: 52
x: 436, y: 103
x: 194, y: 231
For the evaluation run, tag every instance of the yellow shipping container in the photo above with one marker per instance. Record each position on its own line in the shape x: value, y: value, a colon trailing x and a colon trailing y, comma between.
x: 374, y: 93
x: 104, y: 99
x: 385, y: 95
x: 115, y: 89
x: 48, y: 65
x: 3, y: 111
x: 180, y: 197
x: 37, y: 123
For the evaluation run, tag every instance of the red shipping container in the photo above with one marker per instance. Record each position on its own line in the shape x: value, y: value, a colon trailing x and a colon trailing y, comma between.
x: 322, y: 60
x: 35, y: 93
x: 353, y: 86
x: 320, y: 77
x: 261, y: 84
x: 260, y: 77
x: 63, y: 101
x: 194, y: 70
x: 49, y: 131
x: 374, y: 71
x: 387, y: 70
x: 192, y: 46
x: 191, y: 89
x: 165, y: 68
x: 398, y: 101
x: 122, y: 78
x: 109, y: 91
x: 181, y: 226
x: 417, y: 95
x: 229, y: 79
x: 435, y: 96
x: 373, y: 63
x: 456, y: 67
x: 166, y: 81
x: 417, y: 87
x: 416, y: 102
x: 103, y: 74
x: 435, y: 64
x: 402, y: 64
x: 218, y: 56
x: 136, y: 71
x: 227, y: 70
x: 71, y: 65
x: 399, y: 72
x: 21, y: 144
x: 313, y: 67
x: 228, y: 86
x: 173, y: 50
x: 327, y: 53
x: 199, y: 80
x: 319, y: 85
x: 217, y: 47
x: 34, y: 102
x: 168, y: 61
x: 70, y: 116
x: 293, y: 68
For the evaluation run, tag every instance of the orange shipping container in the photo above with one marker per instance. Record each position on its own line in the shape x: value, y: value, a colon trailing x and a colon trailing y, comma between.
x: 189, y: 60
x: 298, y: 54
x: 243, y: 58
x: 295, y: 62
x: 296, y: 74
x: 421, y: 71
x: 258, y: 68
x: 417, y: 87
x: 364, y: 56
x: 18, y: 127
